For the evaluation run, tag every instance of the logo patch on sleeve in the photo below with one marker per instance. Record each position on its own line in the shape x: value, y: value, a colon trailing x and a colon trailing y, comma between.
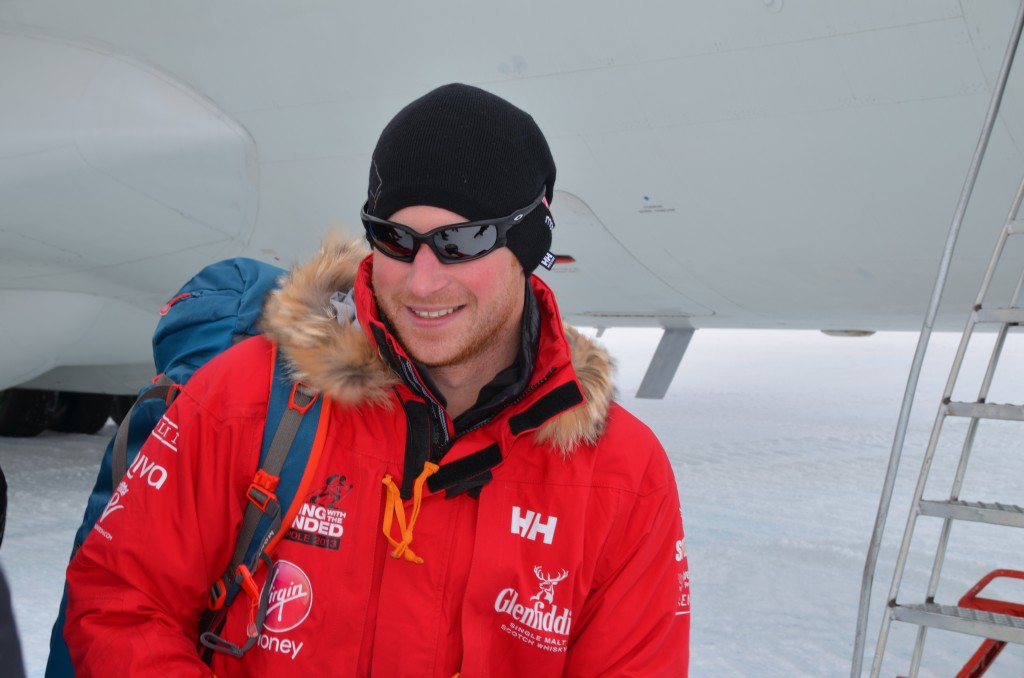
x: 166, y: 431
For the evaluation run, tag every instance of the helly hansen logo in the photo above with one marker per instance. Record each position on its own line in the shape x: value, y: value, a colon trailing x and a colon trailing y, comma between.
x: 529, y: 524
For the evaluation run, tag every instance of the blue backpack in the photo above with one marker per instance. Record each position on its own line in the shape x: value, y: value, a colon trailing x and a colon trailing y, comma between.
x: 218, y: 307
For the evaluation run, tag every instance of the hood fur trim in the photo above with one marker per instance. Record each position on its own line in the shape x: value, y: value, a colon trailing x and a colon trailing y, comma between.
x: 339, y: 361
x: 343, y: 363
x: 584, y: 424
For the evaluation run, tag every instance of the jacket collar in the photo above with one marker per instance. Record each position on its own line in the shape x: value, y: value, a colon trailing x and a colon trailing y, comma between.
x: 342, y: 359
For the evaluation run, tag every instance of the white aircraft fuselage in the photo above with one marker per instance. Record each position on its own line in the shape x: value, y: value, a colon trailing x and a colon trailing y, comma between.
x: 761, y: 164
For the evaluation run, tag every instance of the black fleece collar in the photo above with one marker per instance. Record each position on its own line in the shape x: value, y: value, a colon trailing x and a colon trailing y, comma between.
x: 508, y: 384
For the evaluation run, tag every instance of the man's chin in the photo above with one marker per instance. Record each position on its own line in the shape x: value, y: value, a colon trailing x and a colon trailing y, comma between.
x: 433, y: 356
x: 428, y: 351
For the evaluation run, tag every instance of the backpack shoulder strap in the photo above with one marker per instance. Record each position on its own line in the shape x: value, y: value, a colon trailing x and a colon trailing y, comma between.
x: 163, y: 387
x: 293, y: 440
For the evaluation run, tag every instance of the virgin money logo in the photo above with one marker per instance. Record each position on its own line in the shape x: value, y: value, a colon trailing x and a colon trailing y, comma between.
x: 291, y: 597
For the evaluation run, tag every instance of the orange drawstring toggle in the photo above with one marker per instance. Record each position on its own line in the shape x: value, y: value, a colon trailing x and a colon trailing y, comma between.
x: 394, y: 509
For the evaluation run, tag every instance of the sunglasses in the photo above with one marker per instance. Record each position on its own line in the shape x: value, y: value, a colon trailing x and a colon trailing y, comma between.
x: 452, y: 244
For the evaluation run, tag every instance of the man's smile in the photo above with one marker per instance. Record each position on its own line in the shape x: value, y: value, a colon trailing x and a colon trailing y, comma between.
x: 434, y: 314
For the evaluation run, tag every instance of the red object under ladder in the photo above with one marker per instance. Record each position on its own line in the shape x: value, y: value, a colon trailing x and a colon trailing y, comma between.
x: 979, y: 663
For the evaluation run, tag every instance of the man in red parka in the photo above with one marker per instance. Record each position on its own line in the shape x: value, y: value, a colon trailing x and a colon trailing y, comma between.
x: 544, y: 535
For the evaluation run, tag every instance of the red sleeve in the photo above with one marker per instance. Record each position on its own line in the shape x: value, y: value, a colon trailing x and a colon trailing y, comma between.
x: 139, y: 583
x: 636, y: 621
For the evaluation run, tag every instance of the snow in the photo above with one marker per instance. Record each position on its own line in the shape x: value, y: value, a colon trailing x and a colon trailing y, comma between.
x: 779, y: 440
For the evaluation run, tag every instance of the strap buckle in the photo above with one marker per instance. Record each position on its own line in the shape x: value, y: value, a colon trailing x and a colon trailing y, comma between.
x: 244, y: 579
x: 302, y: 397
x: 218, y: 594
x: 261, y: 489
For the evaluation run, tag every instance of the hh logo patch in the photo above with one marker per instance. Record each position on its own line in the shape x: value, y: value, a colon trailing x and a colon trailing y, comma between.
x: 529, y: 524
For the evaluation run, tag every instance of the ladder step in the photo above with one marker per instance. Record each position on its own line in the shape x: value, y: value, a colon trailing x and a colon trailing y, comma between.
x: 1013, y: 315
x: 963, y: 620
x: 1015, y: 226
x: 975, y: 511
x: 985, y: 411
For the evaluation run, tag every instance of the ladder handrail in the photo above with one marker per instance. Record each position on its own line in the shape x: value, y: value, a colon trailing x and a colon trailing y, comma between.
x: 899, y: 438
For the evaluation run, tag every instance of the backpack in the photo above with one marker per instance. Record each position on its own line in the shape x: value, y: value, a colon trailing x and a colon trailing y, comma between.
x: 218, y: 307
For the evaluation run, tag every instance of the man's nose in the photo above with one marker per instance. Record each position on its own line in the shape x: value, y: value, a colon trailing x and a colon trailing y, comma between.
x: 426, y: 273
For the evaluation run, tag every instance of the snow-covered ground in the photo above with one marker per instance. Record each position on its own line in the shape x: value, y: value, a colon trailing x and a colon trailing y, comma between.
x: 779, y: 440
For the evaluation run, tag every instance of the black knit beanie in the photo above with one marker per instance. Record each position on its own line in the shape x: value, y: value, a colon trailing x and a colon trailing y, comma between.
x: 473, y: 153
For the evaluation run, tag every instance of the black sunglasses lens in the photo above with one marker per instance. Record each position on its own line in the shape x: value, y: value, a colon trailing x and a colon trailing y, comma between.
x: 392, y: 241
x: 466, y: 242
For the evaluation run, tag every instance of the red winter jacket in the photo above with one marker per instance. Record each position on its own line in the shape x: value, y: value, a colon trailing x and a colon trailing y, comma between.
x: 570, y: 561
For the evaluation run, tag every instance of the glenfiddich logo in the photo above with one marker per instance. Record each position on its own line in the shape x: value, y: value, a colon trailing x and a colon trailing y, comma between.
x: 547, y: 584
x: 538, y: 621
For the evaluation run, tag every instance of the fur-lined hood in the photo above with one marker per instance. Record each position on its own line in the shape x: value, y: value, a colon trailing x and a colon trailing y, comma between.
x: 343, y: 362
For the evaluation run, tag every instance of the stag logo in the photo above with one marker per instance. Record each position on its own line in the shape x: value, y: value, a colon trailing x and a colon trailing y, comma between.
x: 547, y: 584
x: 539, y: 621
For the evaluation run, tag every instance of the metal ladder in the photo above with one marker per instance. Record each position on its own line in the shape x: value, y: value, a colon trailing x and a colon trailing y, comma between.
x: 951, y: 617
x: 929, y: 614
